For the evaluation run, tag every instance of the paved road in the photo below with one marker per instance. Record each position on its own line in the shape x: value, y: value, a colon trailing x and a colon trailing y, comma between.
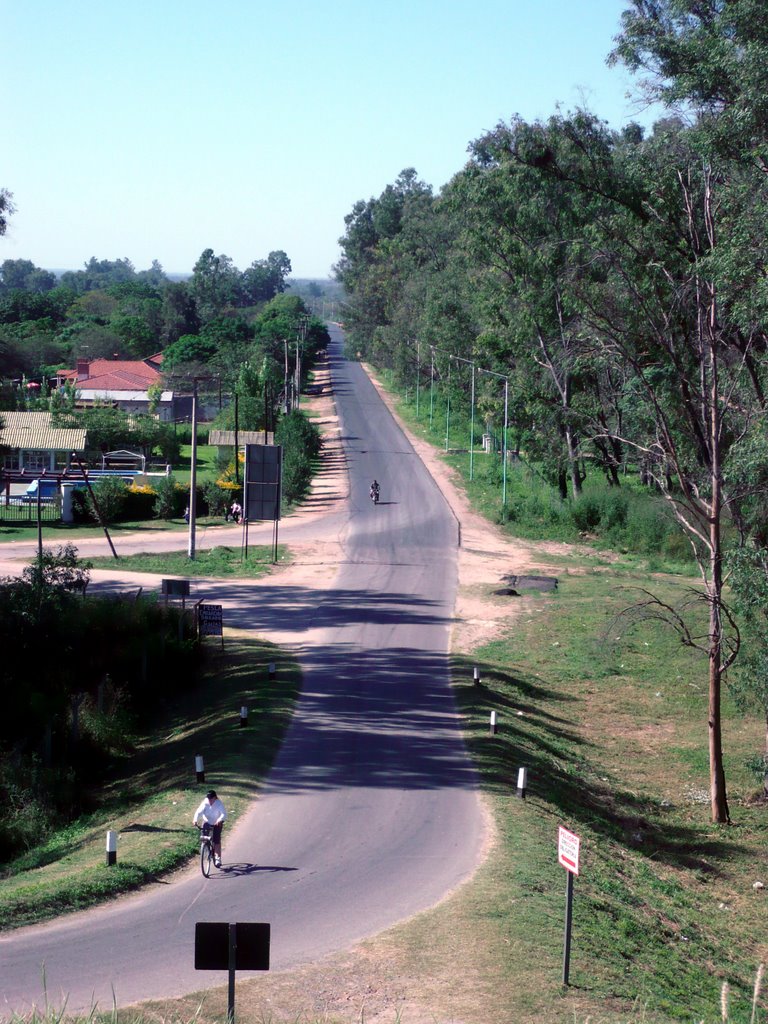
x: 371, y: 812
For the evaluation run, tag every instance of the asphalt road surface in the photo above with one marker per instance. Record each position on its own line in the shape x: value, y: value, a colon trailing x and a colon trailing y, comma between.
x: 370, y: 813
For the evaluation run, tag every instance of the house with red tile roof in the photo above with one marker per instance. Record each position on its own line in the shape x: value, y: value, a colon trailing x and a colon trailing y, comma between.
x: 124, y: 383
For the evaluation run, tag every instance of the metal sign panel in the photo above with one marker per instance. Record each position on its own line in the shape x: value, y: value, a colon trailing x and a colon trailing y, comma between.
x: 175, y: 588
x: 568, y: 845
x: 263, y: 480
x: 210, y: 619
x: 212, y: 946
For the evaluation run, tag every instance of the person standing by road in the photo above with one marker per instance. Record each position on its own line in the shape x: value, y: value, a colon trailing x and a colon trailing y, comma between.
x: 214, y: 814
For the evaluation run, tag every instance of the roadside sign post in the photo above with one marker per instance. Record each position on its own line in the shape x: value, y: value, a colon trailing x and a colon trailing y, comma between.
x: 210, y: 620
x: 568, y: 847
x: 223, y: 946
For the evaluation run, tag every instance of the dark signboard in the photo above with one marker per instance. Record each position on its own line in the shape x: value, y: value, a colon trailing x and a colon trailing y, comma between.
x: 212, y: 940
x: 263, y: 478
x: 175, y: 588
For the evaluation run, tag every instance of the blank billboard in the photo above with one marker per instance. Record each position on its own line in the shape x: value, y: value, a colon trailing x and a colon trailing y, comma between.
x: 263, y: 479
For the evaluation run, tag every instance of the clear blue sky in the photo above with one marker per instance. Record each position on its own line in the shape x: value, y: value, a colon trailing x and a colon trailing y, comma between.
x: 156, y: 130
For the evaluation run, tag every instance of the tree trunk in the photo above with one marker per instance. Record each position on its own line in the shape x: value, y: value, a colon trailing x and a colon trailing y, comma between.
x: 573, y: 462
x: 562, y: 484
x: 719, y: 801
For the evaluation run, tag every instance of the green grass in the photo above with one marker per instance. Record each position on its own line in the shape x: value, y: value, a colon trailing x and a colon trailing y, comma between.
x: 65, y: 533
x: 611, y: 724
x: 207, y: 455
x: 217, y: 562
x: 151, y: 791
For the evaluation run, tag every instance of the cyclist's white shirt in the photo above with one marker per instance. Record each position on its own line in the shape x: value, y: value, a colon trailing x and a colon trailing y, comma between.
x: 211, y: 812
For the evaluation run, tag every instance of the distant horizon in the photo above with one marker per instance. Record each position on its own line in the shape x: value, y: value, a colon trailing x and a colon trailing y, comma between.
x: 177, y: 275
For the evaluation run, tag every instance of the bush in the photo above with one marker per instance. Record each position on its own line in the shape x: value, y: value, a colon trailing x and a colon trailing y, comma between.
x: 29, y: 817
x: 586, y: 513
x: 216, y: 498
x: 139, y: 503
x: 183, y: 433
x: 169, y: 444
x: 111, y: 494
x: 301, y: 444
x: 170, y: 499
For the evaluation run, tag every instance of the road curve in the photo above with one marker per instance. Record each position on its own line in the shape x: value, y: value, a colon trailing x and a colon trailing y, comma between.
x: 371, y: 812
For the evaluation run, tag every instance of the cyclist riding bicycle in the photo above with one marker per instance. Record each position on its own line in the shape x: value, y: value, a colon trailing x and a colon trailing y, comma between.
x: 375, y: 490
x: 214, y: 815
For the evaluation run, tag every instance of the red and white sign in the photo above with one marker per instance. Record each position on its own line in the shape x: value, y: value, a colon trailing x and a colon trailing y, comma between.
x: 568, y: 844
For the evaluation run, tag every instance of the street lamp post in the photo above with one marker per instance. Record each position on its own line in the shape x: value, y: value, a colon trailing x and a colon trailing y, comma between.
x: 432, y: 388
x: 505, y: 378
x: 448, y: 408
x: 193, y: 475
x: 471, y: 363
x: 418, y: 375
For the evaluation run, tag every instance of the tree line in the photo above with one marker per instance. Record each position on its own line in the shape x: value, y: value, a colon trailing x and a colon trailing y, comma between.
x: 108, y: 308
x: 232, y: 328
x: 616, y: 280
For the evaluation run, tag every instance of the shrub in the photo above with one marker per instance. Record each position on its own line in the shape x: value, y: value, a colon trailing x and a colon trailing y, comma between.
x: 139, y: 503
x: 29, y: 817
x: 169, y: 444
x: 615, y: 508
x: 170, y: 498
x: 586, y: 513
x: 216, y: 498
x: 301, y: 443
x: 183, y: 433
x: 110, y: 493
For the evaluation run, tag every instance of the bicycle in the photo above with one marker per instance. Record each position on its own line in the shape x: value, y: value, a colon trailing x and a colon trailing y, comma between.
x: 206, y: 848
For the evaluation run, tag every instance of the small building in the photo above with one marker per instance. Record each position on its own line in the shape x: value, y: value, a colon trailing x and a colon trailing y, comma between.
x: 28, y: 442
x: 123, y: 383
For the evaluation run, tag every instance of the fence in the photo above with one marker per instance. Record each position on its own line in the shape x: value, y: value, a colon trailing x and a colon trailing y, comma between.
x: 23, y: 510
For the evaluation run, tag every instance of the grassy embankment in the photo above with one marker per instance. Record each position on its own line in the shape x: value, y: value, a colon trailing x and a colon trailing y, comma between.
x: 152, y: 790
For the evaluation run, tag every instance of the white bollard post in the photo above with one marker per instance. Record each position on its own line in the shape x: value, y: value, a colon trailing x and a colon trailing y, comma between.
x: 271, y: 670
x: 522, y: 781
x: 476, y: 675
x: 199, y: 768
x: 111, y: 848
x: 493, y: 723
x: 243, y: 716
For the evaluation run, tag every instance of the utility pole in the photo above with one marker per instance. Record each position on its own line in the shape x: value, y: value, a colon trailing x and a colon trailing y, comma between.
x: 237, y: 441
x: 193, y: 475
x: 285, y: 377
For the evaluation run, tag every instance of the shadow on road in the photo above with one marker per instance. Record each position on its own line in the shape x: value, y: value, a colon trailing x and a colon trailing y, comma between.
x: 249, y: 869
